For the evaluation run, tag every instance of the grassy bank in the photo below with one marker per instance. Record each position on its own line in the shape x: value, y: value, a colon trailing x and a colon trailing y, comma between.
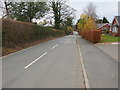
x: 9, y: 50
x: 109, y: 38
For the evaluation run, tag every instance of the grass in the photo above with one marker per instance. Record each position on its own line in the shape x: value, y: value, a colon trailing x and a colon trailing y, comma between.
x: 109, y: 38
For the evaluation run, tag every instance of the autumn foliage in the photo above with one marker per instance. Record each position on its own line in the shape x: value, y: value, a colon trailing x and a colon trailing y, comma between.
x: 86, y: 23
x: 91, y: 35
x: 87, y: 28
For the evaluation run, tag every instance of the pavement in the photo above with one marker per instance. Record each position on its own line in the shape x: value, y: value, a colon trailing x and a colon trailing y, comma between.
x: 57, y: 64
x: 101, y: 68
x: 110, y: 49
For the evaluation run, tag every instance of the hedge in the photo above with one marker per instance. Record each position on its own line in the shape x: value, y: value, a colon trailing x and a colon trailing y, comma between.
x: 17, y: 32
x: 91, y: 35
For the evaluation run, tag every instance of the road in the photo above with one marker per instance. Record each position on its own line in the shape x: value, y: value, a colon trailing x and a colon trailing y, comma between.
x: 58, y: 64
x: 53, y: 64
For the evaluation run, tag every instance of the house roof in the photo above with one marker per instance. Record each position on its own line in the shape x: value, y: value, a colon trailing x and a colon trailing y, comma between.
x: 117, y: 19
x: 101, y: 25
x: 98, y: 25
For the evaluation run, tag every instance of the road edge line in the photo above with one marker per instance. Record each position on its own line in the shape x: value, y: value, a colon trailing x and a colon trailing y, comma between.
x: 87, y: 84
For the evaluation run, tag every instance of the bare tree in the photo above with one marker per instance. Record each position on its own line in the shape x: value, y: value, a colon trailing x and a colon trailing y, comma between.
x: 7, y: 10
x: 91, y: 10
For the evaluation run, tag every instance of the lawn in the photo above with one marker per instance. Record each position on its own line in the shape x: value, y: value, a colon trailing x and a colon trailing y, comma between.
x: 109, y: 38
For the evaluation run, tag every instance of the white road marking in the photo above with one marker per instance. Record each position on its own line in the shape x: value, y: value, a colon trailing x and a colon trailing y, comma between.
x: 55, y: 46
x: 115, y: 43
x: 36, y: 60
x: 69, y: 41
x: 87, y: 85
x: 61, y: 42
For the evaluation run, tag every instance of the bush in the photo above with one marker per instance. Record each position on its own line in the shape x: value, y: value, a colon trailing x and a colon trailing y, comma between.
x: 91, y: 35
x: 68, y: 30
x: 17, y: 32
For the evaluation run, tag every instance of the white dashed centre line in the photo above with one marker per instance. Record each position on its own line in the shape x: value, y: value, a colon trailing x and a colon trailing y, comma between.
x: 36, y: 60
x: 55, y: 46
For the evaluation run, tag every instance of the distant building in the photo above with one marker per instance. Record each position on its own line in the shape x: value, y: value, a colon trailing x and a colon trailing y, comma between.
x: 115, y: 27
x: 46, y: 23
x: 105, y: 27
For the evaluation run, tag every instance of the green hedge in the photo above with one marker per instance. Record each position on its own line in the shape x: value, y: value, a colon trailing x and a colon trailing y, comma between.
x: 68, y: 29
x: 17, y: 32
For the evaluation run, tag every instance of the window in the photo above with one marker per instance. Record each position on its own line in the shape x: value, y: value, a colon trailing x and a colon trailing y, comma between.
x: 116, y: 29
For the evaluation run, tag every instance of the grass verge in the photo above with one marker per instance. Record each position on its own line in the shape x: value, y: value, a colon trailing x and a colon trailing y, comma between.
x: 109, y: 38
x: 9, y: 50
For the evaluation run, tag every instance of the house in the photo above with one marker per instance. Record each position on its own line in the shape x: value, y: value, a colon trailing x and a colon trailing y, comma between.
x: 104, y: 28
x: 115, y: 27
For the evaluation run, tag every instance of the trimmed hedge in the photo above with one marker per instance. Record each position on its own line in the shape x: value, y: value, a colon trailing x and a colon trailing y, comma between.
x: 91, y: 35
x: 17, y: 32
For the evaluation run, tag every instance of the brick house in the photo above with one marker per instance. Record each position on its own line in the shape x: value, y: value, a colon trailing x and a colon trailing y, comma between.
x: 115, y: 26
x: 104, y: 27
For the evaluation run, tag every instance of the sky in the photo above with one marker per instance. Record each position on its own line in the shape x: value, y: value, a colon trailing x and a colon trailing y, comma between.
x: 104, y: 8
x: 107, y: 9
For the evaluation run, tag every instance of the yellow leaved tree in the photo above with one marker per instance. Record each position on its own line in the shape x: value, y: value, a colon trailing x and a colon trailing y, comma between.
x: 86, y: 22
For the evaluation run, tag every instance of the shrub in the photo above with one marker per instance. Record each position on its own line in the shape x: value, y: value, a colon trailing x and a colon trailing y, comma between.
x: 17, y: 32
x: 68, y: 30
x: 91, y: 35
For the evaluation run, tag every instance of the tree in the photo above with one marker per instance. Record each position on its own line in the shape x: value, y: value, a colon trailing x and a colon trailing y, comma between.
x: 69, y: 21
x: 60, y: 11
x: 105, y: 20
x: 99, y: 21
x: 90, y: 10
x: 88, y: 18
x: 7, y: 9
x: 86, y: 22
x: 26, y: 11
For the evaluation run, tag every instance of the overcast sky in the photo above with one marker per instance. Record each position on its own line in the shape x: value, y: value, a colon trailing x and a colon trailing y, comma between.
x: 107, y: 8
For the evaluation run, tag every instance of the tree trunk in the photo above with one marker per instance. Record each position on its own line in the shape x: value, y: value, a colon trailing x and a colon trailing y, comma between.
x: 7, y: 10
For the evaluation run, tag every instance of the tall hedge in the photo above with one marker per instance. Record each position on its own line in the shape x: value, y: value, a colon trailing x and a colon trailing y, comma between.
x: 17, y: 32
x: 91, y: 35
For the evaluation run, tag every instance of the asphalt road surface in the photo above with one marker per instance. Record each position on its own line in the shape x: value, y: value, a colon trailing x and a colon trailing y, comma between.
x: 57, y: 64
x: 53, y: 64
